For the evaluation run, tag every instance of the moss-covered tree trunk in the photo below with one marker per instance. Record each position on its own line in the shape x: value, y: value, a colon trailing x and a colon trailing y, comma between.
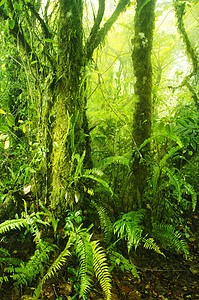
x: 144, y: 22
x: 67, y: 103
x: 60, y: 53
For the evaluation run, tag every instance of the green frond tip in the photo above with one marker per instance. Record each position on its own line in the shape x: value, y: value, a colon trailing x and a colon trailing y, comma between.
x: 101, y: 268
x: 150, y: 244
x: 13, y: 224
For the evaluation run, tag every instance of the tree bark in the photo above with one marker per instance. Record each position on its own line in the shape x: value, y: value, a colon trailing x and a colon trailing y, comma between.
x: 144, y: 23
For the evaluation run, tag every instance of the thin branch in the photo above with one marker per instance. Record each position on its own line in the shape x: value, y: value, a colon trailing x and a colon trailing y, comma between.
x: 100, y: 34
x: 96, y: 25
x: 180, y: 11
x: 44, y: 28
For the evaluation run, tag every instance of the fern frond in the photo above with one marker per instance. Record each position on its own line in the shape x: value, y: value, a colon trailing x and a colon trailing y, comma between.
x: 99, y: 180
x: 54, y: 268
x: 170, y: 238
x: 115, y: 159
x: 175, y: 181
x: 13, y: 224
x: 101, y: 268
x: 105, y: 221
x: 27, y: 272
x: 84, y: 253
x: 130, y: 228
x: 170, y: 154
x: 58, y: 263
x: 151, y: 244
x: 192, y: 192
x: 123, y: 263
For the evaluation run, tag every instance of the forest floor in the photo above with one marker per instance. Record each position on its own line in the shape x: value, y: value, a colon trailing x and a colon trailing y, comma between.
x: 163, y: 278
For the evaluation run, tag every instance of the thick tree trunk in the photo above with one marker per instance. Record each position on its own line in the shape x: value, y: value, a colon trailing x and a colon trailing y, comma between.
x: 63, y: 62
x: 68, y: 104
x: 142, y: 45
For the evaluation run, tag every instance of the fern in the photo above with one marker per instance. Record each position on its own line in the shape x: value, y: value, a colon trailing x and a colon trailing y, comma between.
x: 124, y: 264
x: 101, y: 268
x: 84, y: 253
x: 114, y: 159
x: 130, y: 228
x: 91, y: 257
x: 170, y: 238
x: 54, y: 268
x: 188, y: 188
x: 13, y: 224
x: 150, y: 244
x: 29, y: 271
x: 99, y: 180
x: 25, y: 272
x: 105, y: 221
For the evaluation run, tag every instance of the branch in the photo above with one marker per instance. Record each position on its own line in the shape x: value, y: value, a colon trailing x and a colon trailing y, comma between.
x: 99, y: 34
x: 193, y: 93
x: 44, y: 28
x: 180, y: 11
x: 46, y: 34
x: 96, y: 25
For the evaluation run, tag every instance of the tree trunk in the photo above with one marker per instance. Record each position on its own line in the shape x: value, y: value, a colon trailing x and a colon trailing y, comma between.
x: 68, y: 103
x: 62, y: 62
x: 142, y: 45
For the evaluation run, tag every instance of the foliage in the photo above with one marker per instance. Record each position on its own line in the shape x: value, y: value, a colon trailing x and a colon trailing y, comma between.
x: 90, y: 254
x: 34, y: 77
x: 130, y: 228
x: 105, y: 222
x: 170, y: 238
x: 23, y: 273
x: 118, y: 260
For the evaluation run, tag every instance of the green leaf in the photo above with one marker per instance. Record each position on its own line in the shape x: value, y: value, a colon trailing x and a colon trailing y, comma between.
x: 11, y: 24
x: 48, y: 40
x: 2, y: 2
x: 2, y: 111
x: 10, y: 120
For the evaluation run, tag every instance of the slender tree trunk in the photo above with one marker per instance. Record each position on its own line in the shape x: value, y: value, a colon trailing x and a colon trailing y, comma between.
x: 142, y: 45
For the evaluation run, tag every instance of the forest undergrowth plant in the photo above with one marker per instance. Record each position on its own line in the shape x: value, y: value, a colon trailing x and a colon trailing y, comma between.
x: 90, y: 255
x: 170, y: 238
x: 168, y: 187
x: 130, y: 228
x: 105, y: 221
x: 24, y: 273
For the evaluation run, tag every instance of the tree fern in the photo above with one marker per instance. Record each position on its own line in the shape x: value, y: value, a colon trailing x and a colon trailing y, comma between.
x: 170, y: 238
x: 101, y: 268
